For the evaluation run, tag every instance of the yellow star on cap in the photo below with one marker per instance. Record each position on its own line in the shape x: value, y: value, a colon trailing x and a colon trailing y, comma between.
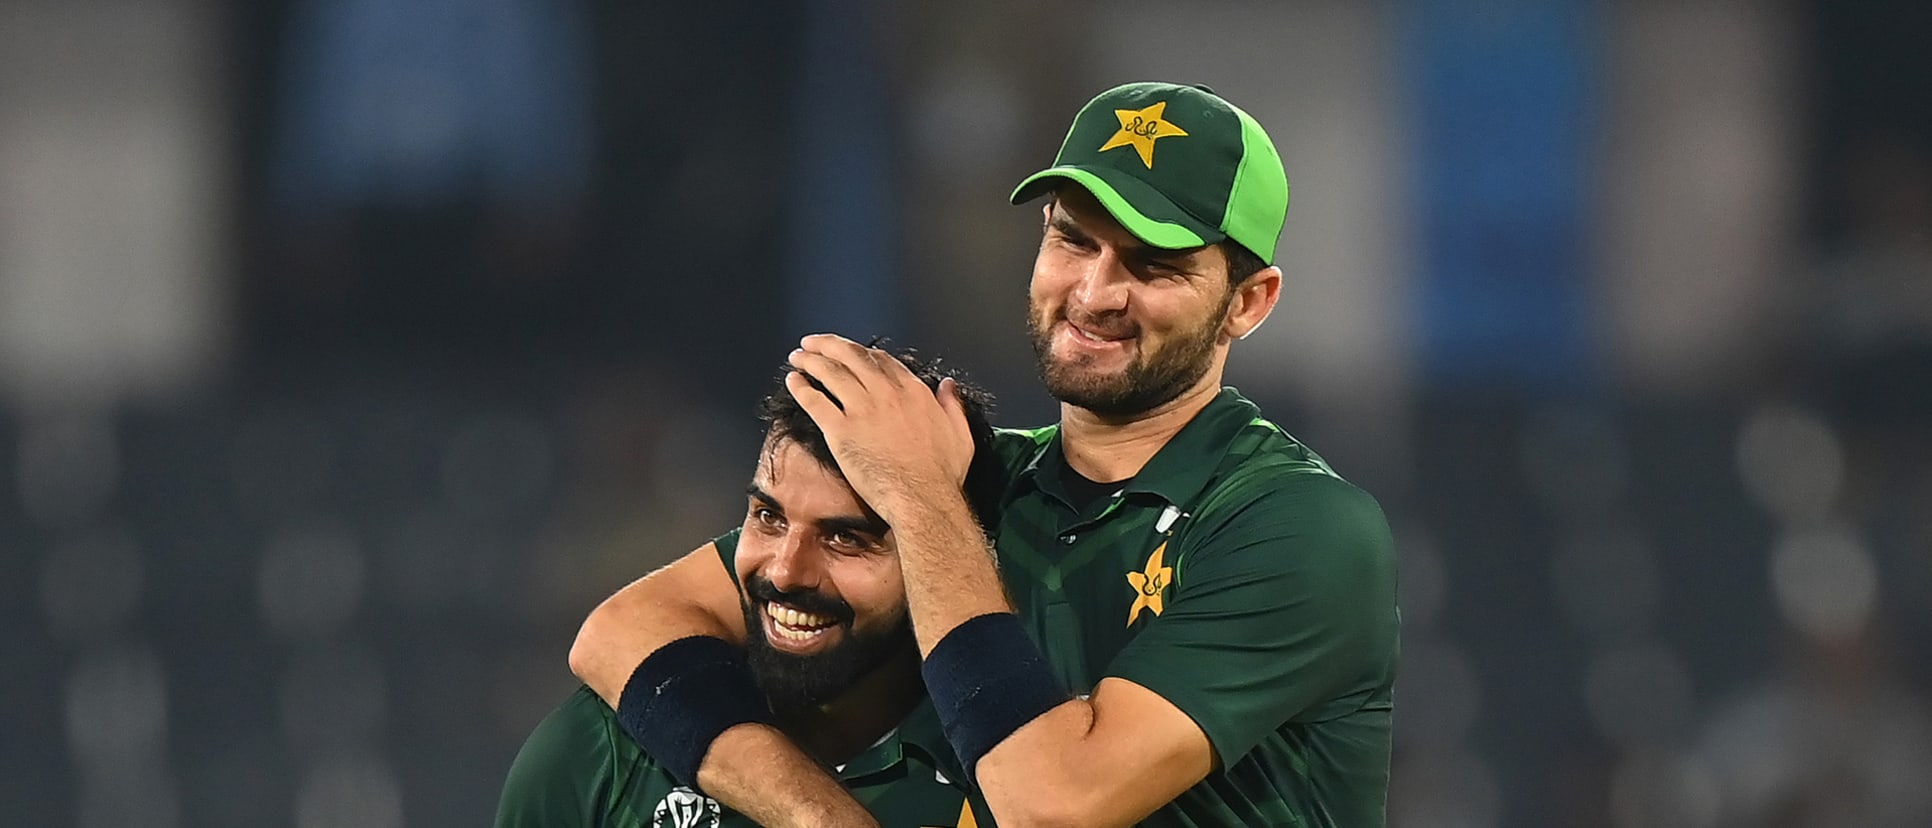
x: 1140, y: 128
x: 1149, y: 584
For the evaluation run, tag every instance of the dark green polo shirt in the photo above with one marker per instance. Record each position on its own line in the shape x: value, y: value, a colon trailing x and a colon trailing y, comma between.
x: 580, y: 769
x: 1242, y: 580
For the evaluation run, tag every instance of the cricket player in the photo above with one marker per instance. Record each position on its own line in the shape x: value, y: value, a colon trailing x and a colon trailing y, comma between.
x: 829, y: 655
x: 1192, y: 618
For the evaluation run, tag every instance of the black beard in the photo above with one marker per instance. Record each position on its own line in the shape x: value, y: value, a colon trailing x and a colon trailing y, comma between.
x: 1144, y: 385
x: 797, y: 683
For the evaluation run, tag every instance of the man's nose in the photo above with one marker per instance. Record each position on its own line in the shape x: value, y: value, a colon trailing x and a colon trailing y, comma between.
x: 1102, y: 285
x: 795, y: 564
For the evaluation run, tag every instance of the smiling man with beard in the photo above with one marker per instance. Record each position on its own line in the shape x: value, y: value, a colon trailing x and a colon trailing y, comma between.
x: 1191, y: 618
x: 829, y: 661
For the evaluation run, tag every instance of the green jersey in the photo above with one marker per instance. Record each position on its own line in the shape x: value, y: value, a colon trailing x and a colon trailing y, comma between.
x: 1241, y: 580
x: 579, y: 769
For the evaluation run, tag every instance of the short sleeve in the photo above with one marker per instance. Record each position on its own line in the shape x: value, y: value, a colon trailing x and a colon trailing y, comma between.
x: 1282, y: 608
x: 564, y: 774
x: 727, y: 545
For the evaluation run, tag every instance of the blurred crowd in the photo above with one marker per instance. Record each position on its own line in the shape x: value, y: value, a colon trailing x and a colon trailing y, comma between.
x: 351, y: 351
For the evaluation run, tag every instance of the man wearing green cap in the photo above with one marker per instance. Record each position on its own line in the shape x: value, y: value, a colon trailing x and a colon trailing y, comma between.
x: 1221, y: 602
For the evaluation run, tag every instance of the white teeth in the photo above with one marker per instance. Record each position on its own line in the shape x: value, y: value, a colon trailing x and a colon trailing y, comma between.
x: 795, y: 625
x: 1091, y: 336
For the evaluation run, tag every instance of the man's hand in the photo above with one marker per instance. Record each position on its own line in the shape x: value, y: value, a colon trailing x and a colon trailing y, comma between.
x: 893, y: 438
x: 756, y: 770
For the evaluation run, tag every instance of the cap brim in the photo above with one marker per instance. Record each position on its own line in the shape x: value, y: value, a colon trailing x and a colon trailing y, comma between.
x: 1140, y: 208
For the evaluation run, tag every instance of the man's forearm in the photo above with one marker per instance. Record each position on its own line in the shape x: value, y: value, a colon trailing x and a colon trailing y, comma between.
x: 640, y: 618
x: 1071, y: 765
x: 618, y: 637
x: 950, y: 573
x: 751, y: 768
x: 755, y: 770
x: 1106, y: 760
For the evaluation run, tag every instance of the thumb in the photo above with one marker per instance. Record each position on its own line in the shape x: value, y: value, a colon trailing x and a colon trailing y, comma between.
x: 955, y: 410
x: 950, y: 403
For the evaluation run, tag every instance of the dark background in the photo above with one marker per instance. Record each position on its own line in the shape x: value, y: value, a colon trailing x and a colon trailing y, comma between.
x: 352, y: 350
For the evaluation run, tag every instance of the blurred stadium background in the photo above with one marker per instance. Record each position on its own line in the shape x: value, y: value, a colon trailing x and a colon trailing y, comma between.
x: 351, y: 350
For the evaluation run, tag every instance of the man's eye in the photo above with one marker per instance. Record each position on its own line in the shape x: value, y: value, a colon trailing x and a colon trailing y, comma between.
x: 767, y: 517
x: 849, y: 540
x: 1076, y: 242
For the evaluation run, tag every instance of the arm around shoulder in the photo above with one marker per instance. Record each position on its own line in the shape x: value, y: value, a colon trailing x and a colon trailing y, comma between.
x: 750, y: 767
x: 1281, y: 608
x: 1108, y: 760
x: 693, y: 595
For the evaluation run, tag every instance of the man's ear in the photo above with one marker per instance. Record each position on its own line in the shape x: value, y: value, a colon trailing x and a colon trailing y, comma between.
x: 1254, y: 299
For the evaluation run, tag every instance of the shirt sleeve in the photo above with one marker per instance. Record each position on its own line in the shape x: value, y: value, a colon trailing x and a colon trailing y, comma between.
x: 564, y: 774
x: 1282, y: 608
x: 727, y: 545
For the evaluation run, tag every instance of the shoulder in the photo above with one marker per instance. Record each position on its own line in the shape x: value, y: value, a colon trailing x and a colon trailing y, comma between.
x: 1271, y: 489
x: 1266, y: 466
x: 1017, y: 447
x: 579, y: 730
x: 727, y: 547
x: 566, y: 768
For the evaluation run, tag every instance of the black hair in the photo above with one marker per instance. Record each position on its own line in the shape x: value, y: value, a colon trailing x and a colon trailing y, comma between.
x: 1242, y: 262
x: 785, y: 419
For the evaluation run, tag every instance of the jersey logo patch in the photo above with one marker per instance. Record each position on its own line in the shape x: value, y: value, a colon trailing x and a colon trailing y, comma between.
x: 1149, y: 583
x: 966, y: 819
x: 685, y: 808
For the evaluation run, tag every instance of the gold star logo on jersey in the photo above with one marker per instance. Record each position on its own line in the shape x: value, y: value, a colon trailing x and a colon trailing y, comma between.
x: 1140, y: 128
x: 966, y: 819
x: 1149, y: 583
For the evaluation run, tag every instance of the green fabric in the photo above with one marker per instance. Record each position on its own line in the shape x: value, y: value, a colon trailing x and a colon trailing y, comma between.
x: 579, y: 769
x: 1258, y: 205
x: 1163, y: 158
x: 1158, y: 221
x: 1276, y: 629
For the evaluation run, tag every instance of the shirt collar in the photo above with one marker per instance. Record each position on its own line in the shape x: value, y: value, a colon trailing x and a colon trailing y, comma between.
x: 1181, y: 469
x: 919, y: 732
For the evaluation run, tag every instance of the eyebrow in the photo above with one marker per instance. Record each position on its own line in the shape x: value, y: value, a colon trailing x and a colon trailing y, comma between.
x: 870, y: 525
x: 1060, y: 221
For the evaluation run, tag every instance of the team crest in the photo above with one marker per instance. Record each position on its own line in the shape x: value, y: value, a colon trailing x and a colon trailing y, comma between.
x: 1140, y: 128
x: 966, y: 819
x: 1149, y: 584
x: 685, y: 808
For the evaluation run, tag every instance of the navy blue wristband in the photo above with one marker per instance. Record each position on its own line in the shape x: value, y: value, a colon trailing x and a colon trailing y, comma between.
x: 683, y: 696
x: 986, y: 679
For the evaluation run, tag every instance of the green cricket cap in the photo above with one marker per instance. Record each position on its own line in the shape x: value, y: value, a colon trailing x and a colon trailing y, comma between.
x: 1178, y: 166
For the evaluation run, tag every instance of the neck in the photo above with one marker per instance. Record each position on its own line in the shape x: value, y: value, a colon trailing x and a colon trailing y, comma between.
x: 1105, y: 449
x: 844, y: 727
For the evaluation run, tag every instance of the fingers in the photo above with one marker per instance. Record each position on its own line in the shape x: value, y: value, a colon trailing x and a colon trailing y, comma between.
x: 817, y: 406
x: 828, y: 343
x: 872, y: 367
x: 837, y: 376
x: 955, y: 411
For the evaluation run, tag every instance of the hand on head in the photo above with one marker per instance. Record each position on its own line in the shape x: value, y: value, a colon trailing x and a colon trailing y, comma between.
x: 892, y: 435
